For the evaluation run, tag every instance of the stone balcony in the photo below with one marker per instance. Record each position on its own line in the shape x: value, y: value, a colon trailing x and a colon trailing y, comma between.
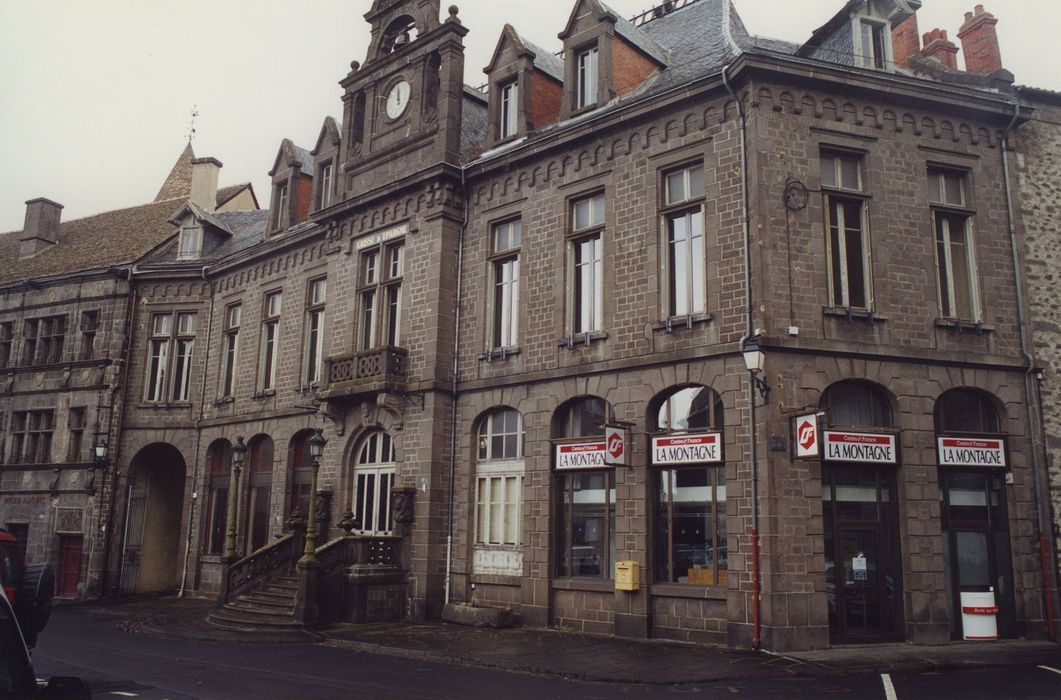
x: 356, y: 374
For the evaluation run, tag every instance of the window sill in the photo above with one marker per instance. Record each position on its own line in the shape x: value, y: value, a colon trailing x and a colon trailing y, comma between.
x: 584, y: 584
x: 688, y: 590
x: 851, y: 314
x: 497, y: 580
x: 572, y: 341
x: 682, y: 323
x: 262, y: 395
x: 223, y: 400
x: 163, y: 405
x: 961, y: 326
x: 211, y: 558
x: 499, y: 354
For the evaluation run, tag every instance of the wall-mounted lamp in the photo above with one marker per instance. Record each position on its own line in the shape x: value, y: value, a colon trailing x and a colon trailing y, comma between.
x: 100, y: 451
x: 754, y: 360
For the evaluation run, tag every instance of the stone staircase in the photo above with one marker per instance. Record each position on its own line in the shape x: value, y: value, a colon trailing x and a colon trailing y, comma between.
x: 269, y: 605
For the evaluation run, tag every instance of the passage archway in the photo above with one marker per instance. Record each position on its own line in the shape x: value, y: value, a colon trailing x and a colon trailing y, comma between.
x: 151, y: 561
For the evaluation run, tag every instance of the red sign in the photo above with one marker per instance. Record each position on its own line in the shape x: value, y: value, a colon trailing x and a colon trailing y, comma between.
x: 806, y: 436
x: 970, y: 610
x: 581, y: 455
x: 687, y: 449
x: 860, y: 447
x: 971, y: 452
x: 617, y: 445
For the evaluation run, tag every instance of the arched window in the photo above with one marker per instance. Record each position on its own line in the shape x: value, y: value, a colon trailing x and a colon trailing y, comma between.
x: 499, y: 487
x: 854, y: 403
x: 966, y: 411
x: 219, y: 457
x: 300, y: 472
x: 259, y: 490
x: 690, y: 503
x: 374, y: 467
x: 586, y: 531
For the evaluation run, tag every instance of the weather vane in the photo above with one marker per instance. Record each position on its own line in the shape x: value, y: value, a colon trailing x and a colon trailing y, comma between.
x: 191, y: 124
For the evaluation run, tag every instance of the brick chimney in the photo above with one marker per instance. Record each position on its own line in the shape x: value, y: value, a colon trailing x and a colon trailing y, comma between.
x: 937, y: 46
x: 41, y: 229
x: 980, y: 42
x: 204, y: 183
x: 906, y: 41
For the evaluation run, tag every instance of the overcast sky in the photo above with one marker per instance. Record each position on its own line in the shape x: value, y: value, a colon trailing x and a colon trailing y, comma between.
x: 96, y: 95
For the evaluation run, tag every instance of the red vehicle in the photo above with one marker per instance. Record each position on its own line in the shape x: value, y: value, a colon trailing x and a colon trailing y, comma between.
x: 29, y: 589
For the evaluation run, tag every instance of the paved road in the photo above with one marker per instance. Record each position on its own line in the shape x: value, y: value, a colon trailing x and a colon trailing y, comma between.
x: 96, y: 646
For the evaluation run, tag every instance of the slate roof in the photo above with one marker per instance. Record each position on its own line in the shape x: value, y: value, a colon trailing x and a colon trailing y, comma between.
x: 642, y: 40
x: 309, y: 165
x: 473, y: 122
x: 179, y: 181
x: 546, y: 61
x: 246, y: 229
x: 702, y: 36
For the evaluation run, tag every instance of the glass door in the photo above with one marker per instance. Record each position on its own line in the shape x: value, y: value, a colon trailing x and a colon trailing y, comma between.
x: 861, y: 554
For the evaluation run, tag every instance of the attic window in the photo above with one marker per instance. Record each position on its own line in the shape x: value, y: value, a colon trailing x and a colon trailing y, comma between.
x: 875, y: 49
x: 191, y: 243
x: 509, y: 109
x: 587, y: 78
x: 281, y: 205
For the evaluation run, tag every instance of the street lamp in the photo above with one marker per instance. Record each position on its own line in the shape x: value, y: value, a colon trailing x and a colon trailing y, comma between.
x: 316, y: 449
x: 101, y: 453
x: 239, y: 451
x: 755, y: 360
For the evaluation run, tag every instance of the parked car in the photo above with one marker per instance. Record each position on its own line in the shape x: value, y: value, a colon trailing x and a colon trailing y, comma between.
x: 17, y: 678
x: 28, y: 589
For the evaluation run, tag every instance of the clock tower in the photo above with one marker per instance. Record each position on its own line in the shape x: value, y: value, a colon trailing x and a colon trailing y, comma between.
x: 402, y: 107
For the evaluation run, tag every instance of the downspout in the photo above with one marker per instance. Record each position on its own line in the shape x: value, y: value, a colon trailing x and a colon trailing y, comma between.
x: 748, y: 331
x: 198, y: 435
x: 1029, y: 361
x: 454, y: 395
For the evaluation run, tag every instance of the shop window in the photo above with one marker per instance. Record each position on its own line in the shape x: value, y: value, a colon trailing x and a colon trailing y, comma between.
x: 170, y: 357
x: 966, y: 411
x: 957, y: 276
x: 230, y: 349
x: 847, y: 227
x: 31, y: 436
x: 380, y: 295
x: 683, y: 241
x: 586, y: 498
x: 219, y: 456
x: 586, y: 269
x: 374, y: 472
x: 43, y: 340
x: 856, y: 404
x: 259, y: 491
x: 505, y: 267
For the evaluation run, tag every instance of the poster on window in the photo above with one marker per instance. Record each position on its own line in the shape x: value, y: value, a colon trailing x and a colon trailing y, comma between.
x: 703, y: 448
x: 873, y: 448
x: 971, y: 452
x: 582, y: 455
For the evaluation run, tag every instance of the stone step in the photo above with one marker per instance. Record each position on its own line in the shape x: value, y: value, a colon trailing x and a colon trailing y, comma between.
x: 263, y: 605
x: 263, y: 595
x: 236, y: 618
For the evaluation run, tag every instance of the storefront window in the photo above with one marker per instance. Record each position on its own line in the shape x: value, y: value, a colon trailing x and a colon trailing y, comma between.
x: 853, y: 403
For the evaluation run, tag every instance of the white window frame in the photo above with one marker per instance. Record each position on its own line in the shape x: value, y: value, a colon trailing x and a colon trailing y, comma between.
x: 281, y: 205
x: 686, y: 206
x: 587, y: 77
x: 313, y: 340
x: 381, y: 271
x: 499, y: 483
x: 230, y: 350
x: 170, y: 353
x: 867, y: 56
x: 506, y: 240
x: 839, y: 192
x: 270, y: 340
x: 586, y: 315
x: 376, y: 458
x: 509, y: 109
x: 190, y: 246
x: 944, y: 212
x: 326, y: 178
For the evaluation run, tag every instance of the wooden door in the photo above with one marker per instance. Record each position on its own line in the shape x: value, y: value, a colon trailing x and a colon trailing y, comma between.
x: 70, y: 549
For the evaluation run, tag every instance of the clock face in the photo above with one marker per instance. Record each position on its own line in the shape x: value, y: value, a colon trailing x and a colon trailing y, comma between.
x: 398, y: 99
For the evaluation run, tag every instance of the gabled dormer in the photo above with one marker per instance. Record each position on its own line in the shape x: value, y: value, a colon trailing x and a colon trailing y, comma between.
x: 526, y: 87
x: 200, y: 232
x: 292, y: 176
x: 326, y: 159
x: 861, y: 34
x: 605, y: 57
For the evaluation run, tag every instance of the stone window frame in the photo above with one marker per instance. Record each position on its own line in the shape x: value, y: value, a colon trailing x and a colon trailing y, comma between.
x: 689, y: 208
x: 836, y: 192
x: 89, y: 325
x: 313, y: 334
x: 880, y: 30
x: 76, y: 421
x: 380, y: 278
x: 229, y: 349
x: 43, y: 339
x: 31, y: 436
x: 170, y: 349
x: 7, y: 343
x: 944, y: 213
x: 269, y: 340
x: 497, y: 307
x: 575, y: 236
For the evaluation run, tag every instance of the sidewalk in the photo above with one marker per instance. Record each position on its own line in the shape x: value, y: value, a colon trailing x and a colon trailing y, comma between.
x: 569, y: 655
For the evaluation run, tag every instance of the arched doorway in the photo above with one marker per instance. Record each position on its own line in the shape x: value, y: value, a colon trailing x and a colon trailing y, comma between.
x: 374, y: 470
x: 151, y: 558
x: 259, y: 491
x: 300, y: 473
x: 861, y: 515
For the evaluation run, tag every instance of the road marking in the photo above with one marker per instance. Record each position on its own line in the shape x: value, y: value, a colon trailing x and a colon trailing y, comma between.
x: 124, y: 694
x: 889, y: 689
x: 1050, y: 668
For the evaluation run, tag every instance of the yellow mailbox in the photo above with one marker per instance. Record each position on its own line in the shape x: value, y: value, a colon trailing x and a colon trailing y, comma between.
x: 627, y: 576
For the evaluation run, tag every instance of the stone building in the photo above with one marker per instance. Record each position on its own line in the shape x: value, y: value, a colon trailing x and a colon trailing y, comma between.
x: 64, y: 341
x: 478, y: 296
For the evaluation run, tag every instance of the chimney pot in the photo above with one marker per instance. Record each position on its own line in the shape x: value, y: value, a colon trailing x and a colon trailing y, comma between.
x: 41, y: 228
x: 980, y: 42
x: 204, y: 183
x: 937, y: 46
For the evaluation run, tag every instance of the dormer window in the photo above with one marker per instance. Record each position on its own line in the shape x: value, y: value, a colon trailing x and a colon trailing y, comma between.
x: 875, y: 38
x: 324, y: 194
x: 509, y: 109
x: 191, y: 243
x: 587, y: 78
x: 281, y: 205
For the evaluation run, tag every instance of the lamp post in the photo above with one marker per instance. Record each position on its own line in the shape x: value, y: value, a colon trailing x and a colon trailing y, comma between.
x: 306, y: 610
x: 755, y: 360
x: 239, y: 451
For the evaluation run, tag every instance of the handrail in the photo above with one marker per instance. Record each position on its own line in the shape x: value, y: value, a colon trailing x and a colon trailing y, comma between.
x: 252, y: 569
